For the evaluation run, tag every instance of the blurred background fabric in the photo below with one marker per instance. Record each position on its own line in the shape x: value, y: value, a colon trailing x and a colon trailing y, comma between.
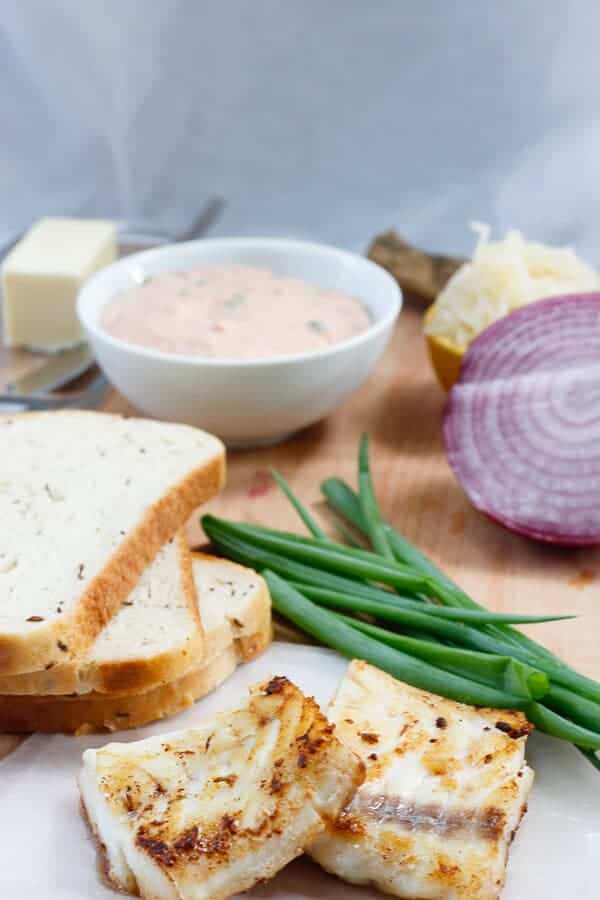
x: 328, y: 119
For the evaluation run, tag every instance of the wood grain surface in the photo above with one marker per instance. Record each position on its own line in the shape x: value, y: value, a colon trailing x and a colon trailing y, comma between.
x: 401, y: 407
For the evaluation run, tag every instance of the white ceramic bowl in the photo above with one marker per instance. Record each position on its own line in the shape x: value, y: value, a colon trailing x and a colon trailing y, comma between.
x: 246, y: 403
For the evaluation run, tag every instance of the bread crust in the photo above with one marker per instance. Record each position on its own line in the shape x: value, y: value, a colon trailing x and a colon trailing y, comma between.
x: 252, y: 615
x: 102, y: 598
x: 252, y: 645
x: 89, y: 713
x: 133, y: 676
x: 123, y: 676
x: 102, y: 712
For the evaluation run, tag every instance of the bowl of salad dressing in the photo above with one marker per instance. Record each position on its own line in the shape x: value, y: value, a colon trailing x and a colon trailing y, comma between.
x: 251, y: 339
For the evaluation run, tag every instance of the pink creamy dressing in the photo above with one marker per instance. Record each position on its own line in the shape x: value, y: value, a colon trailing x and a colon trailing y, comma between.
x: 238, y: 312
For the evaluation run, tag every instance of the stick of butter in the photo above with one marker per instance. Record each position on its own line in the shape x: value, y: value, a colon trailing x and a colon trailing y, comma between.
x: 41, y: 278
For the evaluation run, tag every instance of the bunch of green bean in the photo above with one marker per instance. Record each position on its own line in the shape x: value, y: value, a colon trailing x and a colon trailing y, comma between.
x: 394, y: 608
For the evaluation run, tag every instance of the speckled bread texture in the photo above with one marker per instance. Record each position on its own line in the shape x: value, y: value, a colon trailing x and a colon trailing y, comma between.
x: 158, y: 634
x: 86, y: 502
x: 205, y: 813
x: 225, y: 646
x: 93, y: 712
x: 445, y: 790
x: 155, y: 637
x: 235, y: 604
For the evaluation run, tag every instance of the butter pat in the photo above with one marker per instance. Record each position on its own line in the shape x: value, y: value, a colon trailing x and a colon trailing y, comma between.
x: 41, y: 278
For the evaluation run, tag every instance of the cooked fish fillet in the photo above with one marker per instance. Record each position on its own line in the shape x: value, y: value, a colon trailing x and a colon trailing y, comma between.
x: 445, y: 790
x: 204, y: 813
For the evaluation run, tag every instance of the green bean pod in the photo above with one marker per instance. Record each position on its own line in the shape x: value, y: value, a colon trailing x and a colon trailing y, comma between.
x: 551, y: 723
x: 346, y: 502
x: 311, y: 524
x: 502, y: 672
x: 328, y: 629
x: 368, y: 504
x: 324, y: 554
x: 456, y: 632
x: 581, y: 710
x: 396, y: 602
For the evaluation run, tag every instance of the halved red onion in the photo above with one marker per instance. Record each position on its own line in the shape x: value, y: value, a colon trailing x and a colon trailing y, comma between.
x: 522, y: 424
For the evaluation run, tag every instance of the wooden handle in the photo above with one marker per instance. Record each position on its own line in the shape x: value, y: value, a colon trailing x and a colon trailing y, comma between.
x: 417, y: 272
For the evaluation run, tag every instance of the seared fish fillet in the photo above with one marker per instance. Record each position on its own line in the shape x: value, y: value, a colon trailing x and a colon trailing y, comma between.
x: 446, y: 788
x: 209, y: 811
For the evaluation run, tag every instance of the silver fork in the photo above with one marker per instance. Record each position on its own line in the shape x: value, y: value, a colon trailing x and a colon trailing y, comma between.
x: 86, y: 398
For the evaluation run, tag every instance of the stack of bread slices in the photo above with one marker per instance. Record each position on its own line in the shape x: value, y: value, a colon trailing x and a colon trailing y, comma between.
x: 107, y: 620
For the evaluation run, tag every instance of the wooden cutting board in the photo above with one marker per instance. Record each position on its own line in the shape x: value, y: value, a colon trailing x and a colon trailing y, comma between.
x: 401, y: 407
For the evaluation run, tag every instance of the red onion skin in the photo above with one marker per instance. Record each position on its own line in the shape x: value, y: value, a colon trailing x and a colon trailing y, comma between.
x: 538, y: 345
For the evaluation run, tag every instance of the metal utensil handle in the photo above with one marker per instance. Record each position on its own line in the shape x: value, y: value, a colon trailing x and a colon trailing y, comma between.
x: 89, y: 396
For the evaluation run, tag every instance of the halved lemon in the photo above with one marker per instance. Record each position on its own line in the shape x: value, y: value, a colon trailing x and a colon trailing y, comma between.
x: 445, y: 356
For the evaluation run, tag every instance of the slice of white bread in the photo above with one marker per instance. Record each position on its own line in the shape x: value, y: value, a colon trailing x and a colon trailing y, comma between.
x: 205, y: 813
x: 234, y: 603
x: 95, y: 712
x: 185, y: 609
x: 86, y: 502
x: 243, y: 597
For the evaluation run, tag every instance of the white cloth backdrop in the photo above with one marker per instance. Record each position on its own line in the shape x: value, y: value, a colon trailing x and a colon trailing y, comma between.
x: 323, y: 118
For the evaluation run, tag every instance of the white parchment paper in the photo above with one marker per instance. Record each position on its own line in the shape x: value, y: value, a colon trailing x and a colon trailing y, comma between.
x: 46, y: 852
